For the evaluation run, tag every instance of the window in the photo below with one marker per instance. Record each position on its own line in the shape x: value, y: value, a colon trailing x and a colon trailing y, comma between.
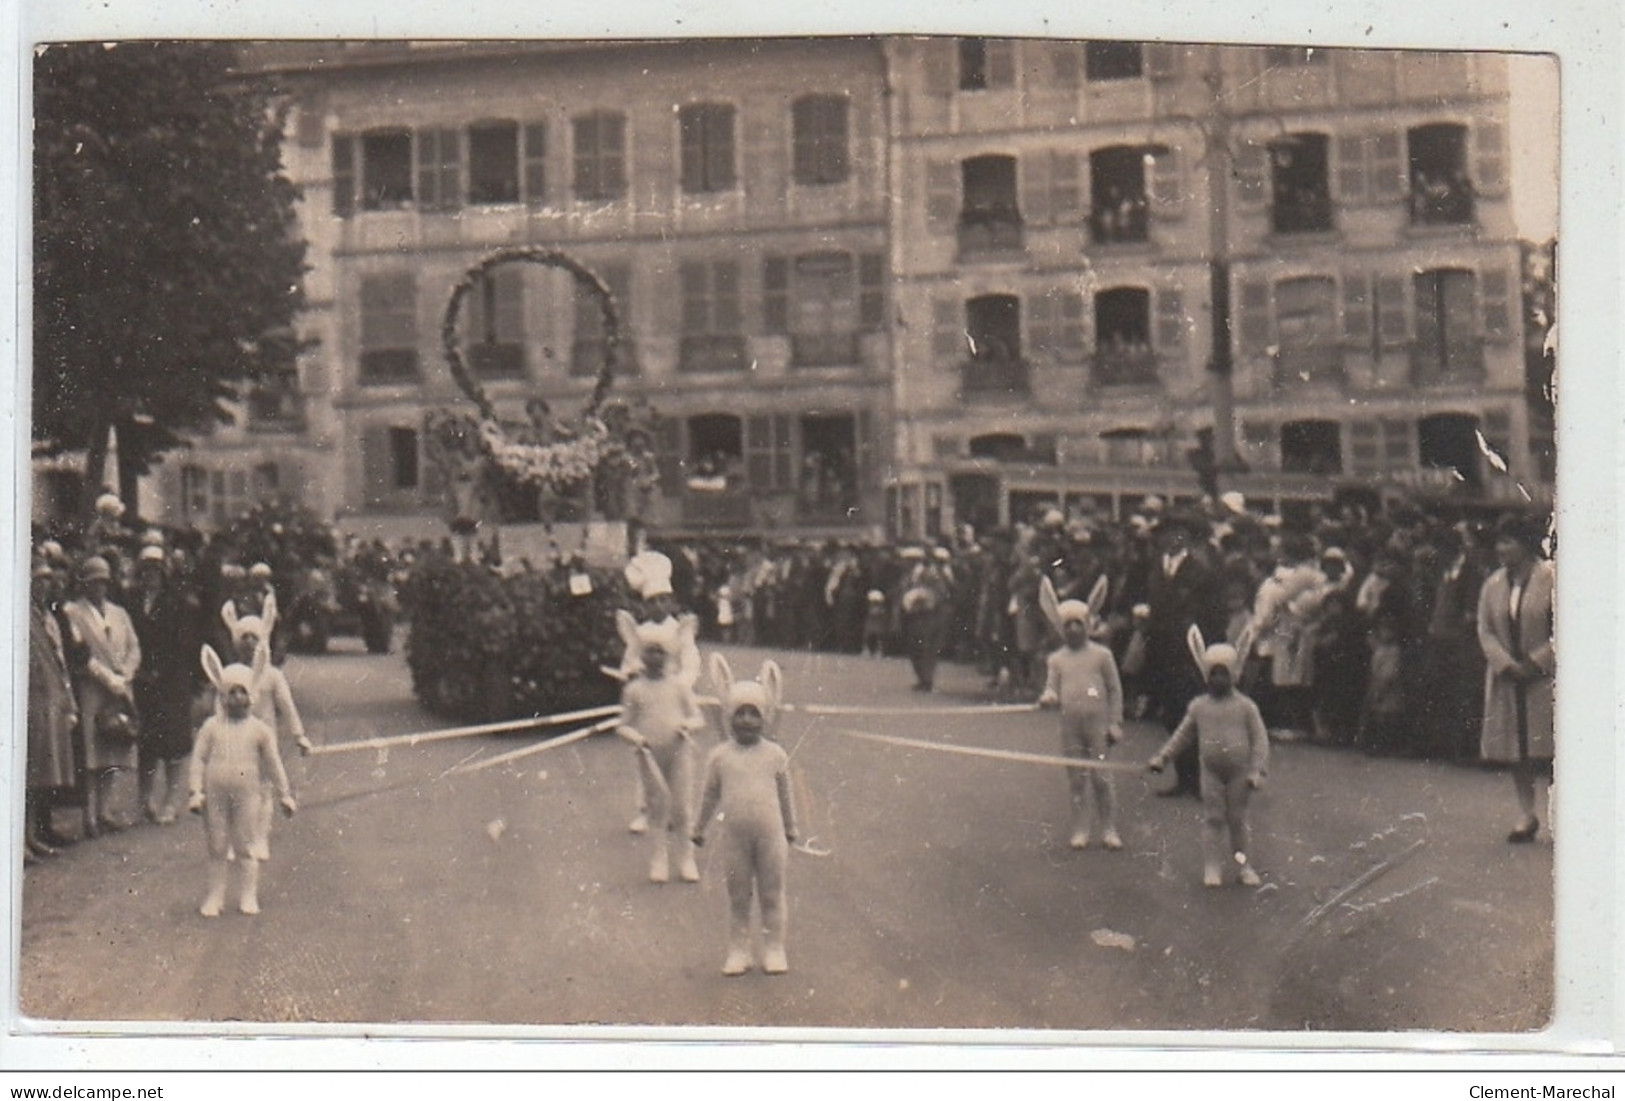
x: 993, y: 333
x: 769, y: 459
x: 713, y: 339
x: 1118, y: 206
x: 990, y: 217
x: 1308, y: 349
x: 274, y: 402
x: 1448, y: 346
x: 494, y: 324
x: 1300, y: 184
x: 707, y: 131
x: 820, y: 138
x: 1123, y: 354
x: 1441, y: 192
x: 1449, y: 441
x: 493, y: 163
x: 829, y: 464
x: 386, y: 169
x: 391, y: 471
x: 1111, y: 60
x: 822, y: 301
x: 600, y: 155
x: 389, y: 330
x: 587, y: 347
x: 986, y: 63
x: 1312, y: 447
x: 403, y: 456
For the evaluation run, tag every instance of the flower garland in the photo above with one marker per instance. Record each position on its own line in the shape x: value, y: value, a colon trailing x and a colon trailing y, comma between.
x: 556, y: 466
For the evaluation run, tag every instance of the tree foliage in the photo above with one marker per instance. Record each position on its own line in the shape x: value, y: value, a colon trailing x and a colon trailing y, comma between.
x: 167, y: 266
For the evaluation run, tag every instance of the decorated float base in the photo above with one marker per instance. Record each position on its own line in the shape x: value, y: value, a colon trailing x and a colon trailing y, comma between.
x: 601, y: 544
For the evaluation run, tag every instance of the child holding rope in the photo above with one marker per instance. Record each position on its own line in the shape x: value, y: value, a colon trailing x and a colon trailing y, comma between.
x: 748, y: 779
x: 659, y: 715
x: 233, y: 761
x: 1233, y: 748
x: 1083, y: 682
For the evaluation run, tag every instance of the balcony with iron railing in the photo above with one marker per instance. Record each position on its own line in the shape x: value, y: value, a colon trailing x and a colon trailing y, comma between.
x: 995, y: 379
x: 1134, y: 366
x: 990, y: 234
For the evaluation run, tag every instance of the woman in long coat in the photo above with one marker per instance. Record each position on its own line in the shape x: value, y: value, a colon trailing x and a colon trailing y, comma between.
x: 113, y: 657
x: 1285, y: 613
x: 52, y: 714
x: 1515, y: 632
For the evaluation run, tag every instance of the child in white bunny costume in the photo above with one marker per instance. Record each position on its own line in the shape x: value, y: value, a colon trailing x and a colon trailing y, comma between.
x: 1083, y: 682
x: 658, y: 716
x: 648, y: 574
x: 233, y: 762
x: 1233, y: 748
x: 273, y: 701
x: 748, y: 779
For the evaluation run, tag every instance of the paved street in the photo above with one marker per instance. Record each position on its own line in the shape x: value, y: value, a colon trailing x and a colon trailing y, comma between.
x: 947, y: 898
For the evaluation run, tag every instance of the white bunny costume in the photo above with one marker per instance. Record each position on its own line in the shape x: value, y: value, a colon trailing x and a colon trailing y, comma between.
x: 750, y: 783
x: 1084, y: 683
x: 233, y: 763
x: 273, y: 704
x: 1233, y: 747
x: 658, y: 716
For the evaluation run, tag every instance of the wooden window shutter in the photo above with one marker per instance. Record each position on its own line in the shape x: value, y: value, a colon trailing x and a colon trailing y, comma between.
x: 1495, y: 290
x: 1365, y: 448
x: 1393, y: 311
x: 375, y: 465
x: 872, y: 292
x: 1357, y: 317
x: 439, y: 164
x: 1162, y: 61
x: 535, y: 138
x: 1398, y: 450
x: 1167, y: 184
x: 947, y: 329
x: 940, y: 62
x: 1351, y: 168
x: 1255, y: 316
x: 1252, y: 175
x: 344, y: 174
x: 865, y: 430
x: 669, y: 454
x: 612, y: 154
x: 759, y: 451
x: 728, y: 316
x: 696, y: 284
x: 775, y: 294
x: 1001, y: 63
x: 1074, y: 327
x: 1489, y: 159
x: 941, y: 195
x: 783, y: 464
x: 1066, y: 187
x: 1041, y: 311
x: 1388, y: 179
x: 1066, y: 63
x: 1170, y: 319
x: 1036, y: 208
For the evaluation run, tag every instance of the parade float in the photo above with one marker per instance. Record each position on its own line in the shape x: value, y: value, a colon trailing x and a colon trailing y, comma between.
x: 542, y: 511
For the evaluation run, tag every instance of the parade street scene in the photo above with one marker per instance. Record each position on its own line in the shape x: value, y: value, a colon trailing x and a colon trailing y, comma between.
x: 862, y: 533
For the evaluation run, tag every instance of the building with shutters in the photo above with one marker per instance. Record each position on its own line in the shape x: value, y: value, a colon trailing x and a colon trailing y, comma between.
x: 904, y: 283
x: 733, y: 197
x: 1061, y: 208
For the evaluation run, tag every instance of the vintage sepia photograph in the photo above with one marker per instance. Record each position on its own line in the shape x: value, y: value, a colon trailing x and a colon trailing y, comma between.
x: 865, y: 534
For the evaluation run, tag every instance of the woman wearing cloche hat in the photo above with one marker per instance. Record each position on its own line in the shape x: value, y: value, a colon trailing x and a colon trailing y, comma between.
x: 114, y: 657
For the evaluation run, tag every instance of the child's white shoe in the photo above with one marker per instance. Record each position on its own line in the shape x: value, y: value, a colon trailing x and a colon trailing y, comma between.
x: 687, y: 870
x: 737, y: 963
x: 213, y: 905
x: 640, y: 824
x: 215, y: 899
x: 774, y: 961
x: 250, y: 903
x: 660, y: 867
x: 1212, y: 876
x: 1248, y: 877
x: 1110, y: 840
x: 1080, y: 839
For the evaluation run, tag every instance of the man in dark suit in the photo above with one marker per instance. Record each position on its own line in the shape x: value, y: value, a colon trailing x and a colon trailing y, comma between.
x: 1183, y: 589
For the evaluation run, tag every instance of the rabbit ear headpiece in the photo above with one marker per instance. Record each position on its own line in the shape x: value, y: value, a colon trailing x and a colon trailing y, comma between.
x: 672, y: 636
x: 1220, y: 653
x: 1059, y: 613
x: 223, y: 677
x: 765, y: 693
x: 260, y: 626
